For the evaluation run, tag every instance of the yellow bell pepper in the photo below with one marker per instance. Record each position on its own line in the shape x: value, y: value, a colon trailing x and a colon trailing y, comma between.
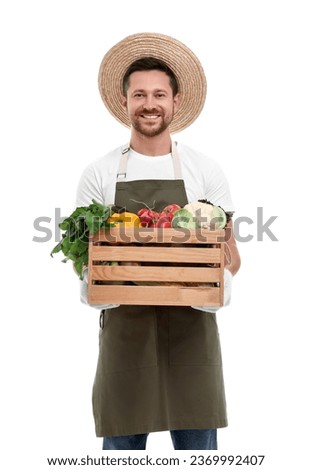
x: 125, y: 219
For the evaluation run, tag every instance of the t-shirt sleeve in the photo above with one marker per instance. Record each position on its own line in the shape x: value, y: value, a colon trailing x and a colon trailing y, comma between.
x: 218, y: 190
x: 89, y: 188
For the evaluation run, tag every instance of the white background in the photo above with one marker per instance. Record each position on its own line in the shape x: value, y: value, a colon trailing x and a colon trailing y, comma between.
x: 256, y: 123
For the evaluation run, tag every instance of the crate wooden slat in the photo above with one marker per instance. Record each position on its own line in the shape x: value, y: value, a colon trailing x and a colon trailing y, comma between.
x: 156, y: 273
x: 157, y: 295
x: 117, y: 253
x: 153, y: 235
x: 159, y: 256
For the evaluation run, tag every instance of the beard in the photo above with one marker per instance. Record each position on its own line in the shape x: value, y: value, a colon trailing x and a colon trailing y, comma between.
x: 148, y: 127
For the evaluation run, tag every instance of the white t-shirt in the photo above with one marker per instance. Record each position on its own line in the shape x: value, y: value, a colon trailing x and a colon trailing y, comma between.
x: 203, y: 177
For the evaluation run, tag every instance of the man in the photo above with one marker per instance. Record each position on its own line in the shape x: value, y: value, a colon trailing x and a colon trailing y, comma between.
x: 159, y: 367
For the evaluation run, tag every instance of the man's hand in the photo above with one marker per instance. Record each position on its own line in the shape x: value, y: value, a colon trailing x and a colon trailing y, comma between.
x: 232, y: 257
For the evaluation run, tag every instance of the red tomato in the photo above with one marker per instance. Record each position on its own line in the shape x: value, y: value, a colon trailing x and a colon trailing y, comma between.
x: 163, y: 221
x: 171, y: 208
x: 143, y: 211
x: 168, y: 215
x: 148, y: 217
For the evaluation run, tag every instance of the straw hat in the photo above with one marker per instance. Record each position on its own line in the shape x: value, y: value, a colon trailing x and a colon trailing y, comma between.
x: 182, y: 61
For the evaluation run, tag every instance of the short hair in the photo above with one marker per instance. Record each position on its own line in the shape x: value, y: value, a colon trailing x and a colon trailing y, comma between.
x: 149, y: 63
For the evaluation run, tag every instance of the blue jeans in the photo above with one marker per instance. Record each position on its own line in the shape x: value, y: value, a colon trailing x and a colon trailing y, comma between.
x: 189, y: 439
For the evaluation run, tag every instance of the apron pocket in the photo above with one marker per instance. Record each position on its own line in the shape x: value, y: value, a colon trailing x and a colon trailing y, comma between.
x: 193, y: 339
x: 128, y: 339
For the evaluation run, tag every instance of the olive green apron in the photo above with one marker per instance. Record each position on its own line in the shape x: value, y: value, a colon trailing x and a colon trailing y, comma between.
x: 159, y: 367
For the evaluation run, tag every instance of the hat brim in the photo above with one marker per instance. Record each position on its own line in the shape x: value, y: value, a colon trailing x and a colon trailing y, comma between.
x: 182, y: 61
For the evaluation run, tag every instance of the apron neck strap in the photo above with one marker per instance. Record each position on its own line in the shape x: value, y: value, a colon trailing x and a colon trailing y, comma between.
x: 122, y: 169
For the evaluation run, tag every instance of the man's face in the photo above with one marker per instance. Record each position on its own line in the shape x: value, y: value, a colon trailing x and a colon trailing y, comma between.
x: 150, y: 103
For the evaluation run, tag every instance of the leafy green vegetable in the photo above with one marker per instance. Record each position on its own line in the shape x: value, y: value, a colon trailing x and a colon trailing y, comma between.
x: 82, y: 223
x: 184, y: 219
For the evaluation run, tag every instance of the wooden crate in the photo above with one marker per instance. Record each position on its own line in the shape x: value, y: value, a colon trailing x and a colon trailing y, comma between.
x: 164, y: 256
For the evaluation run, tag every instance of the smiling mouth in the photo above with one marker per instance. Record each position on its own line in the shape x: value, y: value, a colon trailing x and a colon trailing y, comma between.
x: 150, y: 116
